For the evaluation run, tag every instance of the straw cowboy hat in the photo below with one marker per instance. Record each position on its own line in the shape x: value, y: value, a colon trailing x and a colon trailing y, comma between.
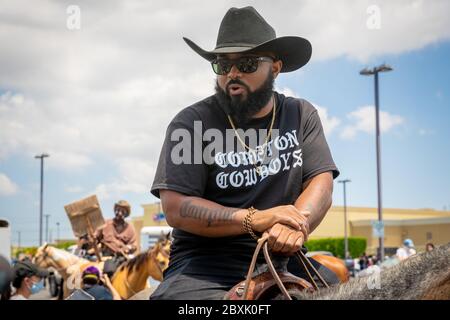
x: 123, y: 204
x: 244, y: 30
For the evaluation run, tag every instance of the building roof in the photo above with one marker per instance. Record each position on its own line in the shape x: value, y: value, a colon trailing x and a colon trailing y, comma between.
x: 403, y: 222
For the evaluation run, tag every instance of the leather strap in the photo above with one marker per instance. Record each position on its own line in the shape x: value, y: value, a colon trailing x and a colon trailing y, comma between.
x: 303, y: 260
x: 263, y: 242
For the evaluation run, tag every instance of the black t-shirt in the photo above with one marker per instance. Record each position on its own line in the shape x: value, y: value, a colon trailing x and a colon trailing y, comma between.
x: 225, y: 172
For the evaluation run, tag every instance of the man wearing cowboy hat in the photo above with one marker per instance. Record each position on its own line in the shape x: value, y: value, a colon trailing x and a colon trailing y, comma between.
x: 279, y: 185
x: 118, y: 236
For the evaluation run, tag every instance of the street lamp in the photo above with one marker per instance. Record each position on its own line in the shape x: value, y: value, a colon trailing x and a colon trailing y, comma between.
x: 19, y: 242
x: 57, y: 232
x: 368, y: 72
x: 345, y: 217
x: 46, y: 227
x: 42, y: 156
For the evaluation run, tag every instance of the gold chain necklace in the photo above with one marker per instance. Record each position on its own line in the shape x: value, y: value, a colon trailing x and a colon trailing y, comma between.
x: 245, y: 146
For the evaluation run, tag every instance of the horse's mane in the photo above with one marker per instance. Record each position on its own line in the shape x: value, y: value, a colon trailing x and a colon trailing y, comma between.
x: 136, y: 262
x: 414, y: 278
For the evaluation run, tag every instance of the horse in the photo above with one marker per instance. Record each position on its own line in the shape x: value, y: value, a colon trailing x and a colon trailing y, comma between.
x: 68, y: 265
x: 424, y: 276
x: 131, y: 277
x: 128, y: 279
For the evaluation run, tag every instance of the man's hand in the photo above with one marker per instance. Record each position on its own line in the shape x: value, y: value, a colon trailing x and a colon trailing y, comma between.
x: 106, y: 280
x: 286, y: 215
x: 108, y: 284
x: 284, y: 239
x: 128, y: 249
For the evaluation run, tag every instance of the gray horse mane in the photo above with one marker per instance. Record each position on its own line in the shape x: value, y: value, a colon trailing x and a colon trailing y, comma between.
x: 423, y: 276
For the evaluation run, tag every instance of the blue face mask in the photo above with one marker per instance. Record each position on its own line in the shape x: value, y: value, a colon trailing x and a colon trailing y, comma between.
x: 37, y: 286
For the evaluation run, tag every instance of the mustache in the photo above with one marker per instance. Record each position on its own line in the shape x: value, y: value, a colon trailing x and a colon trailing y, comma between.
x: 243, y: 109
x: 236, y: 81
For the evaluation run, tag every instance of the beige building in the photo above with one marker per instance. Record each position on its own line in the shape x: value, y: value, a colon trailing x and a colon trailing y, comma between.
x: 149, y: 218
x: 420, y: 225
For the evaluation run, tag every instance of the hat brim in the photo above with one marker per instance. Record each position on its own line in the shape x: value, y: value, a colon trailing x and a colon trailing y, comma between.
x: 295, y: 52
x: 29, y: 269
x: 41, y: 273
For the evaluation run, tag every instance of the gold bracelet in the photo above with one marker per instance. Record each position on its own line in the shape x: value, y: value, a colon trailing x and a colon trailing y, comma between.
x: 247, y: 223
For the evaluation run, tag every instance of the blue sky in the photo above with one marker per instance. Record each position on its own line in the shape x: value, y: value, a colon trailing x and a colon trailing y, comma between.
x: 98, y: 99
x: 415, y: 152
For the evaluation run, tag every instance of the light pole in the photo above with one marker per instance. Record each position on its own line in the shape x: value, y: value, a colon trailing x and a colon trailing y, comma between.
x: 345, y: 217
x: 19, y: 244
x: 42, y: 156
x: 46, y: 227
x: 368, y: 72
x: 57, y: 232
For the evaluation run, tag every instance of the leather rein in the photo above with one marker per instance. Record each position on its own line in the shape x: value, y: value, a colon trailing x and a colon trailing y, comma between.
x: 307, y: 265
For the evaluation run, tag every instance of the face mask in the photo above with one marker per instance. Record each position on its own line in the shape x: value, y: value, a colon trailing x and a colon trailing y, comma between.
x: 37, y: 286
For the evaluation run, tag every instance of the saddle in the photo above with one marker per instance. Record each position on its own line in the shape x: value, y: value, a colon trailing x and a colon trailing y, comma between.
x: 270, y: 283
x: 111, y: 265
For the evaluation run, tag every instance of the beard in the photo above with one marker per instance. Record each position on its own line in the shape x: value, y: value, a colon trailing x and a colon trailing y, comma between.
x: 243, y: 109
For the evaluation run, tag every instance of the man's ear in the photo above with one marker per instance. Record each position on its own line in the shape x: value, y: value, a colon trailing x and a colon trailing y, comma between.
x: 27, y: 281
x: 276, y: 68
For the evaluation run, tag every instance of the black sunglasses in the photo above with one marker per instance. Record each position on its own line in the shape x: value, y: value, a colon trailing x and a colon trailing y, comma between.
x: 222, y: 66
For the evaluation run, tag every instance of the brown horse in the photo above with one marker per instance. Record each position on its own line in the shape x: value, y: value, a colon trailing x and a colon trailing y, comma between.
x: 129, y: 279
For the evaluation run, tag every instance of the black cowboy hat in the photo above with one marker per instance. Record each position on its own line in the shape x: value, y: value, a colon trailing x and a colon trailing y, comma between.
x: 245, y: 31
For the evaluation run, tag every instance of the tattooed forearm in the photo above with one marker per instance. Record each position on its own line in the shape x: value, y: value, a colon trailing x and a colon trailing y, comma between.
x: 211, y: 215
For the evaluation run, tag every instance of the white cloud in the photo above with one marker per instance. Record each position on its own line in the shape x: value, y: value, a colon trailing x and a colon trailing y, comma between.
x: 363, y: 120
x: 135, y: 176
x: 287, y: 92
x: 7, y: 187
x: 339, y: 28
x: 329, y: 123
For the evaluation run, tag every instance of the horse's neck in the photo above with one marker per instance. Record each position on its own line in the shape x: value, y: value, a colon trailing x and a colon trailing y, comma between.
x: 140, y: 274
x: 63, y: 259
x: 137, y: 278
x: 59, y: 254
x: 409, y: 279
x: 152, y: 268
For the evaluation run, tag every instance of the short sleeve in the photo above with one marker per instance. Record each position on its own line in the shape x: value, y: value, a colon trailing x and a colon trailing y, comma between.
x: 181, y: 167
x: 316, y: 153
